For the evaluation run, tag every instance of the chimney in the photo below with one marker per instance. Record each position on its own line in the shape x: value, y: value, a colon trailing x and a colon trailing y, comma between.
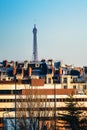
x: 81, y: 71
x: 5, y: 63
x: 23, y: 72
x: 14, y: 71
x: 60, y: 71
x: 53, y: 70
x: 29, y: 71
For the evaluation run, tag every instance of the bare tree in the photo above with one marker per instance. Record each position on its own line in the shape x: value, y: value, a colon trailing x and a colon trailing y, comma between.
x: 32, y: 110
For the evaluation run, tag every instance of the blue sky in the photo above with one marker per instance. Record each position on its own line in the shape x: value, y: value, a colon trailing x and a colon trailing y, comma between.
x: 61, y: 24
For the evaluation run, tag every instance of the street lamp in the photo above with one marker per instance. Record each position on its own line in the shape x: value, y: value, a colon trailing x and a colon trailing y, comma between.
x: 15, y: 101
x: 54, y: 103
x: 54, y: 106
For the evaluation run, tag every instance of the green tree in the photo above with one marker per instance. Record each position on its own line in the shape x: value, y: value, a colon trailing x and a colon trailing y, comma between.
x: 73, y: 114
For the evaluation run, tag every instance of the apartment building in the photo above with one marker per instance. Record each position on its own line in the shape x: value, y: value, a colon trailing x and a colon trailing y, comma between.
x: 45, y: 92
x: 47, y: 82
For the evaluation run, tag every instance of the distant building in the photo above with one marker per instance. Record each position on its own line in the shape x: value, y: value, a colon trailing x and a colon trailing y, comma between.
x: 35, y: 50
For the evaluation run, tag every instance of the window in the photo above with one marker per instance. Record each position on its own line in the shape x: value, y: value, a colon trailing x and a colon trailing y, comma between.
x: 0, y: 120
x: 65, y: 80
x: 49, y: 80
x: 84, y: 87
x: 74, y: 86
x: 10, y: 92
x: 37, y: 65
x: 74, y: 80
x: 65, y: 87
